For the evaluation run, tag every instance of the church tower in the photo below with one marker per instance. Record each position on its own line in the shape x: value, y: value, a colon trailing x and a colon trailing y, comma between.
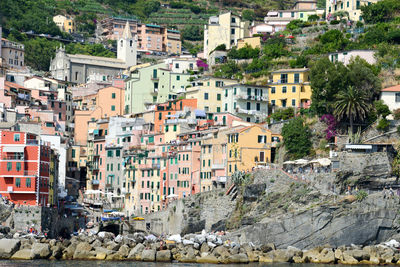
x: 127, y: 47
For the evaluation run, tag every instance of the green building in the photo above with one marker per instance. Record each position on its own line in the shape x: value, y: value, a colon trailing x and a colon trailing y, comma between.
x: 153, y: 84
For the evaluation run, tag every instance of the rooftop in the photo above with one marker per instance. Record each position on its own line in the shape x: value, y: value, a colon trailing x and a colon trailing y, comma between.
x: 395, y: 88
x: 291, y: 70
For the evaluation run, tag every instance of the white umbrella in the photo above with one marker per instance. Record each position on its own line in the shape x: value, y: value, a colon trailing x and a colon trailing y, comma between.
x: 289, y: 162
x: 324, y: 161
x: 172, y: 196
x: 301, y: 161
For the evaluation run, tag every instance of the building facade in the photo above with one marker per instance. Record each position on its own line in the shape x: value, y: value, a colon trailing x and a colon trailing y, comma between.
x: 13, y: 54
x: 353, y: 7
x: 224, y: 29
x: 65, y: 23
x: 290, y: 88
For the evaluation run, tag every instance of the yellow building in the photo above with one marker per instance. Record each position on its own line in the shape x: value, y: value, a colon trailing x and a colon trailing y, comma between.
x: 249, y: 147
x: 209, y: 93
x: 253, y: 42
x: 290, y: 88
x: 65, y: 23
x: 353, y: 7
x: 224, y: 29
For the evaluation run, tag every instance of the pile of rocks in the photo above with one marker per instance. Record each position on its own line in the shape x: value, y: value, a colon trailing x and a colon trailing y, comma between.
x: 200, y: 248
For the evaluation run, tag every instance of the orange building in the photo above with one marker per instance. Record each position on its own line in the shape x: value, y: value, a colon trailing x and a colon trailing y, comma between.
x: 166, y: 110
x: 108, y: 102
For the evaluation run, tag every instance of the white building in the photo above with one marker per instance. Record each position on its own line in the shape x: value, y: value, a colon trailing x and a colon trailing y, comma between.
x: 250, y: 103
x: 346, y: 56
x: 353, y: 7
x: 391, y: 97
x: 182, y: 64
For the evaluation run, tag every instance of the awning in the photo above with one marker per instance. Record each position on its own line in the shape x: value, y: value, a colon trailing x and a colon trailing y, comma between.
x: 199, y: 113
x: 19, y: 149
x: 289, y: 162
x: 301, y: 161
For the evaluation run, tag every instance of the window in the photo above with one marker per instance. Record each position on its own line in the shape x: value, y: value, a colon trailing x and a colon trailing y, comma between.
x: 73, y: 153
x: 9, y: 166
x: 341, y: 5
x: 28, y: 182
x: 177, y: 65
x: 18, y: 166
x: 232, y: 31
x: 234, y: 105
x: 296, y: 78
x: 112, y: 108
x: 258, y: 106
x: 233, y: 20
x: 113, y: 95
x: 284, y: 89
x: 226, y: 106
x: 301, y: 15
x: 283, y: 103
x: 18, y: 182
x: 348, y: 4
x: 397, y: 97
x: 218, y: 110
x: 175, y: 128
x: 273, y: 89
x: 280, y: 14
x: 219, y: 97
x: 205, y: 96
x: 293, y: 102
x: 117, y: 153
x: 166, y: 128
x: 178, y: 78
x: 358, y: 5
x: 17, y: 137
x: 109, y: 153
x: 249, y: 91
x: 248, y: 105
x: 59, y: 116
x: 284, y: 78
x: 293, y: 89
x: 292, y: 14
x: 273, y: 103
x: 262, y: 139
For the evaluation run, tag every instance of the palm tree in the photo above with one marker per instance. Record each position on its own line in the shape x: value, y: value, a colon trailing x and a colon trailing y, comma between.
x: 351, y: 103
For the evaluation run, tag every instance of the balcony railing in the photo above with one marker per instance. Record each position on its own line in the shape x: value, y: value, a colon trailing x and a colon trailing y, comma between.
x: 32, y: 142
x: 13, y: 157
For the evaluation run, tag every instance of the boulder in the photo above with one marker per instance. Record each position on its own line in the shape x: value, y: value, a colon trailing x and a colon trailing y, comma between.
x: 26, y: 243
x: 253, y: 256
x: 149, y: 255
x: 96, y: 243
x: 101, y: 256
x: 56, y: 253
x: 238, y: 258
x: 115, y: 257
x: 204, y: 248
x: 40, y: 251
x: 8, y: 247
x: 187, y: 242
x: 105, y: 235
x: 163, y: 256
x: 112, y: 245
x: 327, y: 256
x: 267, y: 247
x: 358, y: 254
x: 68, y: 253
x: 136, y: 252
x: 84, y: 255
x: 124, y: 251
x: 84, y: 246
x: 207, y: 259
x: 280, y: 255
x: 348, y: 259
x: 175, y: 238
x: 23, y: 254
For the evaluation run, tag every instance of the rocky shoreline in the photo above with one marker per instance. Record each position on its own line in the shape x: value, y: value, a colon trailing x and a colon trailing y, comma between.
x: 192, y: 248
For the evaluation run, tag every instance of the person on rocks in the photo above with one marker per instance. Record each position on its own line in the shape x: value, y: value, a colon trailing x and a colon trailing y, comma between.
x: 391, y: 193
x: 384, y: 193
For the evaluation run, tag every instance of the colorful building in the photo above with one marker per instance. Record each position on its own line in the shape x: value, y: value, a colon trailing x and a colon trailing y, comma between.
x: 65, y: 23
x: 248, y: 102
x: 25, y: 169
x: 153, y: 84
x: 13, y: 54
x: 353, y: 7
x: 209, y: 92
x: 290, y: 88
x: 225, y: 29
x: 249, y: 147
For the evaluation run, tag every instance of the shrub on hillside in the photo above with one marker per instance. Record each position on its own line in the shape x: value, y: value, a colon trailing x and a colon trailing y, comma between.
x: 383, y: 125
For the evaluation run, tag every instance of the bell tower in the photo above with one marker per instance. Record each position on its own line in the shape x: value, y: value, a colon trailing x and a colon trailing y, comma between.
x: 127, y: 47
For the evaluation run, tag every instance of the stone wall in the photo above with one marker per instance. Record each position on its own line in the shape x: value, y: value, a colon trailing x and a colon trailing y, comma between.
x: 189, y: 215
x: 40, y: 218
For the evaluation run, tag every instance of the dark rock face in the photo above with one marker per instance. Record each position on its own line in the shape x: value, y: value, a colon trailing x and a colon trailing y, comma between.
x: 219, y: 226
x: 253, y: 192
x: 194, y: 226
x: 369, y: 222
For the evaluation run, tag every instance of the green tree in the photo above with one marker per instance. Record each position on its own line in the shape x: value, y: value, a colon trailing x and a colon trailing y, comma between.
x: 248, y: 14
x: 39, y: 52
x: 297, y: 138
x: 327, y: 79
x: 381, y: 11
x: 351, y: 104
x: 381, y: 109
x: 192, y: 33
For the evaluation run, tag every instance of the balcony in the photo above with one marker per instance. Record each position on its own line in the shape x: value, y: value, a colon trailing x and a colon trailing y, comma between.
x: 95, y: 182
x: 108, y: 185
x: 13, y: 157
x: 154, y: 78
x: 32, y: 142
x: 221, y: 179
x: 155, y: 166
x: 218, y: 166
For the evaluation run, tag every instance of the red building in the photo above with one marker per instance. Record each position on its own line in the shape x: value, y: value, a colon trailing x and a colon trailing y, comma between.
x: 24, y: 168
